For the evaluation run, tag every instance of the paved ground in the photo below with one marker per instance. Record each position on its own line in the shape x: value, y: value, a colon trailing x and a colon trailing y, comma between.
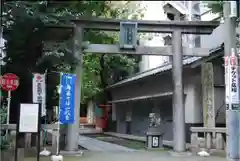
x: 143, y: 156
x: 132, y: 144
x: 93, y: 144
x: 132, y: 156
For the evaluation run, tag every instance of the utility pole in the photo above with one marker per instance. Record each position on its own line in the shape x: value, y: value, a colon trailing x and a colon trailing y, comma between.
x: 232, y: 96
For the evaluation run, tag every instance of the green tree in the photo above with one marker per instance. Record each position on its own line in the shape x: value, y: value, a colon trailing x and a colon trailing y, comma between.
x: 215, y: 6
x: 24, y: 30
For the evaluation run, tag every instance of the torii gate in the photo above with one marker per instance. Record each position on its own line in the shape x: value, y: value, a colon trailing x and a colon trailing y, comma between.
x: 129, y: 46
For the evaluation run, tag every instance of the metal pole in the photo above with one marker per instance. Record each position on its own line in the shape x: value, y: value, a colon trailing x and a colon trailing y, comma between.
x: 232, y: 120
x: 8, y: 110
x: 58, y: 121
x: 73, y: 130
x: 1, y: 31
x: 178, y: 107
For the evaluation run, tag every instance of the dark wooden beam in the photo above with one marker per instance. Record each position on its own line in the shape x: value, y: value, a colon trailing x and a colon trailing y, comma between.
x: 186, y: 27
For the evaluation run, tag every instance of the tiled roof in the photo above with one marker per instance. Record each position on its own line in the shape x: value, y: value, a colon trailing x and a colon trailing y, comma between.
x: 159, y: 69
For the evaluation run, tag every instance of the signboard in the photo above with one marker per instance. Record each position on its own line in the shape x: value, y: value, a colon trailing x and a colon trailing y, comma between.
x: 39, y: 91
x: 208, y: 94
x: 29, y: 117
x: 232, y: 82
x: 128, y: 35
x: 28, y: 122
x: 67, y: 98
x: 155, y: 141
x: 9, y: 82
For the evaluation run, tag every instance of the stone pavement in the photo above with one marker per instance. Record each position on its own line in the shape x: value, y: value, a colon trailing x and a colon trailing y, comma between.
x: 142, y: 156
x: 93, y: 144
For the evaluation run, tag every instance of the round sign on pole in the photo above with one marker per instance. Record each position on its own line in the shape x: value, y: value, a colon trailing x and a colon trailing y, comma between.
x: 9, y: 82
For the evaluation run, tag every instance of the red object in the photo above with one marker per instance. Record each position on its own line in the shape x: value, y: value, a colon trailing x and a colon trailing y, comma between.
x: 9, y: 82
x: 105, y: 105
x: 102, y: 121
x: 231, y: 60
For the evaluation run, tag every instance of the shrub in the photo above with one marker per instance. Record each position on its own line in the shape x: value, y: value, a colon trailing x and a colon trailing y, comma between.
x: 4, y: 142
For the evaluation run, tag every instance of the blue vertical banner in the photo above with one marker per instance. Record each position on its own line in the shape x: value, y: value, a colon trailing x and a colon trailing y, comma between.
x: 67, y: 96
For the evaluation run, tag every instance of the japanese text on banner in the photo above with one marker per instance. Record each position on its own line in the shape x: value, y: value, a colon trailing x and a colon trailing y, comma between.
x: 67, y: 99
x: 39, y: 91
x: 231, y: 82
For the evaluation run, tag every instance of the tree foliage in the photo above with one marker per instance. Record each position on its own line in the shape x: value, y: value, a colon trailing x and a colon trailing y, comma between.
x: 24, y: 29
x: 216, y: 6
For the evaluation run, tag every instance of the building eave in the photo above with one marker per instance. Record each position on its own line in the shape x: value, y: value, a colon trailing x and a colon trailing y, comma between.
x: 180, y: 7
x: 165, y: 68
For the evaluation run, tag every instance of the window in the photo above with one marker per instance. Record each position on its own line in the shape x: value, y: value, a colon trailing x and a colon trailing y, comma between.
x: 170, y: 16
x: 196, y: 17
x: 197, y: 41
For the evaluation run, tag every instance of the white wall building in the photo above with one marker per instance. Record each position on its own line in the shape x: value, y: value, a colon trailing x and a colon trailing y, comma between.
x: 170, y: 10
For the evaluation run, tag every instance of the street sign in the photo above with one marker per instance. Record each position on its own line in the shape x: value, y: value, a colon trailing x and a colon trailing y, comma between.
x: 155, y: 141
x: 9, y: 82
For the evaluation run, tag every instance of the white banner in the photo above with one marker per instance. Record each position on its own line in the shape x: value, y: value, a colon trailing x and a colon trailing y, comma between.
x: 234, y: 85
x: 231, y: 80
x: 227, y: 84
x: 39, y: 91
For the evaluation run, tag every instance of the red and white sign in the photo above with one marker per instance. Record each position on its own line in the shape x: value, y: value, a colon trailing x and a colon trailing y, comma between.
x: 231, y: 79
x: 39, y: 90
x: 9, y: 82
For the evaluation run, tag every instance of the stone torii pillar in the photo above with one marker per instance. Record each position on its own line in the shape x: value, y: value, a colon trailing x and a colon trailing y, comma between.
x: 177, y: 28
x: 73, y: 129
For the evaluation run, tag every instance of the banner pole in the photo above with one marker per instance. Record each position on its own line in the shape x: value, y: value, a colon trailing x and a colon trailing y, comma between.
x: 8, y: 110
x: 58, y: 123
x: 45, y: 152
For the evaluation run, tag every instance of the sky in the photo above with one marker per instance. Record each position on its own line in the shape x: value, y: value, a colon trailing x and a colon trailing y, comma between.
x: 154, y: 11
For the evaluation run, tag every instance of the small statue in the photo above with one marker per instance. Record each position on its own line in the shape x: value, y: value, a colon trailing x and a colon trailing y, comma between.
x: 154, y: 121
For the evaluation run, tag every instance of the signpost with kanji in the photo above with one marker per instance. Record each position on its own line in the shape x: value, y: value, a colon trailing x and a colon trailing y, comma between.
x: 9, y: 82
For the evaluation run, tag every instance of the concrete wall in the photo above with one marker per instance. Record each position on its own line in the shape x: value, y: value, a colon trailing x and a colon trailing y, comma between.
x: 163, y: 83
x: 140, y: 116
x: 219, y: 92
x: 160, y: 84
x: 140, y: 119
x: 193, y: 100
x: 220, y: 105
